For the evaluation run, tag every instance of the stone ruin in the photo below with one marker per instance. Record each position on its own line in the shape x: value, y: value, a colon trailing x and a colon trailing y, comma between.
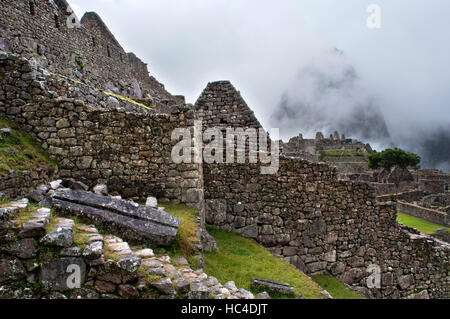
x: 58, y: 88
x: 347, y: 155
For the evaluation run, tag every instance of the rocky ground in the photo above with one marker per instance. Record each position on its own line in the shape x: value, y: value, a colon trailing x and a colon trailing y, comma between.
x: 38, y: 249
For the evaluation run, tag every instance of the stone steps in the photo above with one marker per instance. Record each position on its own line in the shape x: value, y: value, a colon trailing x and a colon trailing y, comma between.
x: 109, y: 266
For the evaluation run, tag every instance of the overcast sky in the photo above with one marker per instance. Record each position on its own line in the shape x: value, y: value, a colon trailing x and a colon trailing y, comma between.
x: 262, y: 45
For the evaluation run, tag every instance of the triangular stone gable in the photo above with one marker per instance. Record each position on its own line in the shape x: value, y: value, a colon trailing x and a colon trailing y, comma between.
x: 221, y: 105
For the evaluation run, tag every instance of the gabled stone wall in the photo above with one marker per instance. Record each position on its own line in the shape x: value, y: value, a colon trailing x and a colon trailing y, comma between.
x: 317, y: 222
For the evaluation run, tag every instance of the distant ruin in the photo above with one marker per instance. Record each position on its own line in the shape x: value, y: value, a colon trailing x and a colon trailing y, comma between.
x: 57, y: 83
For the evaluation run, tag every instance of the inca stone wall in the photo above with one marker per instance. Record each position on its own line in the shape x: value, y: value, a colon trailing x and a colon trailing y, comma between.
x: 317, y: 222
x: 89, y: 53
x: 98, y: 138
x: 15, y: 184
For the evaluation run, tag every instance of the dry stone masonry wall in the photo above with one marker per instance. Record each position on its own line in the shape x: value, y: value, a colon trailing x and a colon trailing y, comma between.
x: 98, y: 138
x: 87, y: 51
x: 319, y: 223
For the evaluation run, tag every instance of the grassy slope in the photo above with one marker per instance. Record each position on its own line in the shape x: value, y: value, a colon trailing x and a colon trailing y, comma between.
x: 239, y: 259
x: 19, y: 151
x: 419, y: 224
x: 336, y: 288
x: 187, y: 232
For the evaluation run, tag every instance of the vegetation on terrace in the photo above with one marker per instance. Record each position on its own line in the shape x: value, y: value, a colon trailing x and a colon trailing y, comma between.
x: 421, y: 225
x: 18, y: 150
x: 240, y: 259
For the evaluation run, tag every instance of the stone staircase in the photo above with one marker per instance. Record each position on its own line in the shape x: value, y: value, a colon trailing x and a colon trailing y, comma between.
x: 50, y: 257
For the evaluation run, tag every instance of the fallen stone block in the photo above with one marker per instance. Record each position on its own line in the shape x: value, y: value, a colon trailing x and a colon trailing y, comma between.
x: 134, y: 222
x: 273, y: 285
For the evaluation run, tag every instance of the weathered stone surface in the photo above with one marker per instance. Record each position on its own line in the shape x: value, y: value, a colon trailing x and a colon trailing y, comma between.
x: 24, y: 248
x: 139, y: 223
x: 128, y: 291
x: 61, y: 237
x: 100, y: 189
x: 164, y: 285
x: 11, y: 269
x: 129, y: 263
x: 263, y: 295
x: 405, y: 281
x: 250, y: 231
x: 35, y: 196
x: 93, y: 251
x: 71, y: 252
x: 208, y: 241
x: 151, y: 202
x: 272, y: 285
x: 54, y: 273
x: 32, y: 229
x: 198, y: 291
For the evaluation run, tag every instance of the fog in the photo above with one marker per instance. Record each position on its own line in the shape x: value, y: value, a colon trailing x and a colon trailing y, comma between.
x: 304, y: 65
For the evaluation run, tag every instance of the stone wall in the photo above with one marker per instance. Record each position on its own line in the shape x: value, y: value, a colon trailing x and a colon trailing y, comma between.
x: 89, y: 53
x: 409, y: 196
x: 16, y: 184
x: 432, y: 215
x: 319, y: 223
x: 96, y: 137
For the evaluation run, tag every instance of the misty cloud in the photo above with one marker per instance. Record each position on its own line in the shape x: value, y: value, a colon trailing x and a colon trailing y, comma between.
x: 396, y: 78
x: 326, y: 96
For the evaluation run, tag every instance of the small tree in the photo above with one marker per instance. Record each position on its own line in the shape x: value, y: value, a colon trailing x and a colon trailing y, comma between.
x: 393, y: 157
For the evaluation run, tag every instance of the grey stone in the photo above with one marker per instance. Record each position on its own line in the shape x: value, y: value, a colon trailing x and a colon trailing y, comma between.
x: 93, y: 251
x: 164, y: 285
x: 11, y: 270
x: 208, y: 242
x: 273, y: 285
x: 61, y: 237
x: 151, y: 202
x: 135, y: 223
x: 250, y: 231
x: 71, y: 252
x: 55, y: 272
x: 100, y: 189
x: 263, y: 295
x: 35, y: 196
x: 129, y: 263
x: 405, y: 281
x: 24, y: 248
x: 198, y: 291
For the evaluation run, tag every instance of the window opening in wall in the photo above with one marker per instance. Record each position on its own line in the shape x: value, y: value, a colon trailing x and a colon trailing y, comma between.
x: 94, y: 44
x: 32, y: 8
x: 57, y: 21
x: 109, y: 52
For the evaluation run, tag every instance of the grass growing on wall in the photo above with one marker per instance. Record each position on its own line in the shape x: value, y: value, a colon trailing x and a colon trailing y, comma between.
x: 420, y: 224
x: 239, y: 259
x: 336, y: 288
x: 187, y: 232
x: 19, y: 151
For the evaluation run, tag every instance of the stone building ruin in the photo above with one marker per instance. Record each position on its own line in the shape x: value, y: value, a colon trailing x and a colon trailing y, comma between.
x: 59, y: 89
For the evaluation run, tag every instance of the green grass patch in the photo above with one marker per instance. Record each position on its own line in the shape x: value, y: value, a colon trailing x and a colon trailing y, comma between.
x: 239, y: 259
x: 187, y: 232
x: 19, y: 151
x: 336, y: 288
x: 420, y: 224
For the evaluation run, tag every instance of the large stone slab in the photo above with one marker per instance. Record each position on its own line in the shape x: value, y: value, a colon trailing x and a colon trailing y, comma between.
x: 134, y: 222
x: 273, y: 285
